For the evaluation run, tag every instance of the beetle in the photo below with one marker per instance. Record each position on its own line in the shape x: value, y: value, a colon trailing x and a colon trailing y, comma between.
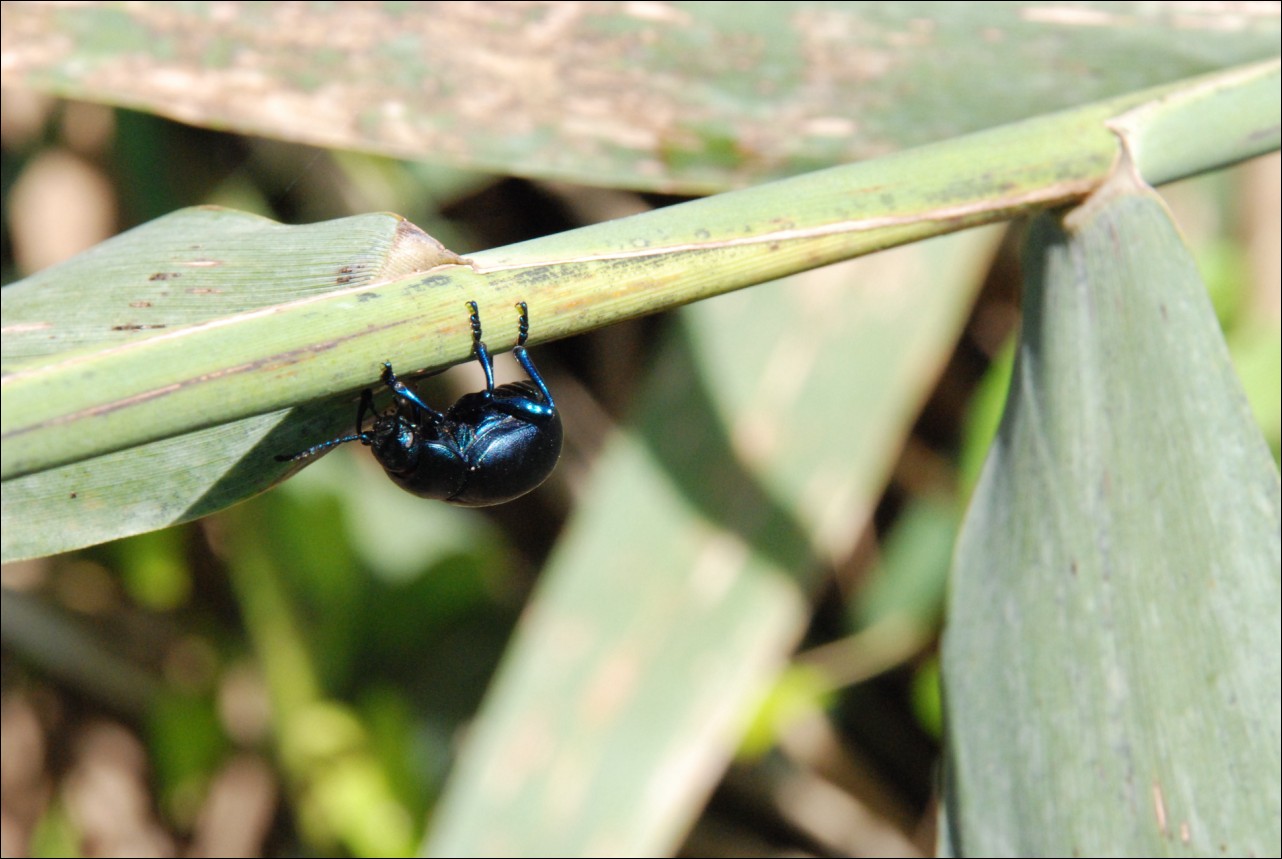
x: 487, y: 448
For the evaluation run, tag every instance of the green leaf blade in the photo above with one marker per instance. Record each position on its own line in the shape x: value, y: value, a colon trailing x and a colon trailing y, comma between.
x: 1111, y: 661
x: 692, y: 97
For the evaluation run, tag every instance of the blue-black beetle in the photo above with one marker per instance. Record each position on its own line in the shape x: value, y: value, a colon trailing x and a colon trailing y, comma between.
x: 489, y: 447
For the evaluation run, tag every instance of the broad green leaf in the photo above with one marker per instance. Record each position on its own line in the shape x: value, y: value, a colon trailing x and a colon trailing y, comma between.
x: 692, y: 97
x: 1111, y: 662
x: 177, y: 274
x: 754, y: 463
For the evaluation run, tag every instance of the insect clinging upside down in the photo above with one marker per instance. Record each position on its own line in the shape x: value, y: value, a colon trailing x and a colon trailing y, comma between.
x: 489, y: 447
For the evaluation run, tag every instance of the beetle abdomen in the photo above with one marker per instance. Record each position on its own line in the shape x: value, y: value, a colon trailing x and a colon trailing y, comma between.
x: 509, y: 459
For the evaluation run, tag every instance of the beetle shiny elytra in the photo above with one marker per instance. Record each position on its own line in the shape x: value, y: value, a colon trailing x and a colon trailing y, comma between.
x: 487, y: 448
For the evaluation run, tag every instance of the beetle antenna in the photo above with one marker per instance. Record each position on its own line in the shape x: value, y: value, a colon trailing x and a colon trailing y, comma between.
x: 317, y: 448
x: 366, y: 406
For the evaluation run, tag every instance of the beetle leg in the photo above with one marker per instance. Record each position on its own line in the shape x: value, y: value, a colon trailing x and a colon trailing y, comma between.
x: 487, y: 364
x: 524, y: 357
x: 403, y: 392
x: 527, y: 409
x: 478, y: 349
x: 523, y: 327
